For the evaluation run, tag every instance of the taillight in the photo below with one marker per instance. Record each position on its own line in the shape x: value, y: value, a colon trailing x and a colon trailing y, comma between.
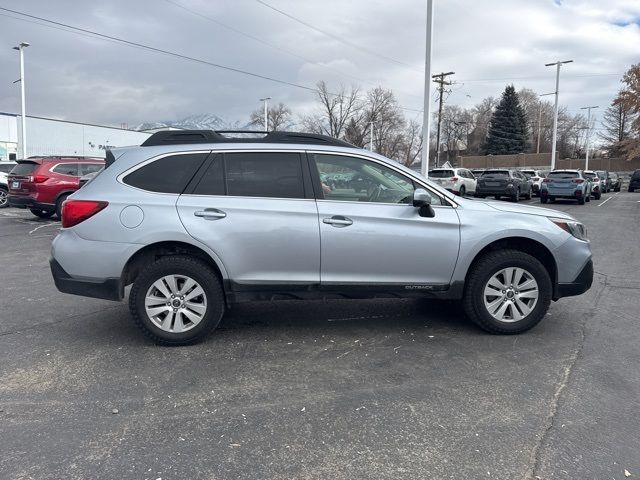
x: 535, y: 179
x: 40, y: 178
x: 77, y: 211
x: 578, y: 180
x: 454, y: 179
x: 546, y: 180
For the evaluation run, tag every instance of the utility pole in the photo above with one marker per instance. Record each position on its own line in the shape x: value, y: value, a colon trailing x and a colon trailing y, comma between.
x: 540, y: 119
x: 588, y: 109
x: 371, y: 138
x: 21, y: 48
x: 266, y: 116
x: 440, y: 80
x: 426, y: 109
x: 555, y: 111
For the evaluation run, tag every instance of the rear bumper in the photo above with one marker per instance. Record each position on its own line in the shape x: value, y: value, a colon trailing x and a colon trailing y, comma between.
x: 108, y: 289
x: 19, y: 201
x: 562, y: 194
x: 581, y: 284
x: 506, y: 192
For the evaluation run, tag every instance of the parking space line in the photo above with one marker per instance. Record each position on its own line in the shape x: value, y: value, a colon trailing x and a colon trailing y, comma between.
x: 600, y: 204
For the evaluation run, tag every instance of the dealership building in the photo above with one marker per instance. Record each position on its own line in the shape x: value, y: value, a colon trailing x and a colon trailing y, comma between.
x: 48, y: 136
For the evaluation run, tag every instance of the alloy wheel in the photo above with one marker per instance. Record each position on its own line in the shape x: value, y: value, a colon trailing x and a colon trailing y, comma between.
x: 511, y: 294
x: 175, y: 303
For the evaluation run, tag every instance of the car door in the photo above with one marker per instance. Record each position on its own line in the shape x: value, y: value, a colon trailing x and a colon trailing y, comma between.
x: 256, y: 211
x: 375, y: 236
x: 469, y: 180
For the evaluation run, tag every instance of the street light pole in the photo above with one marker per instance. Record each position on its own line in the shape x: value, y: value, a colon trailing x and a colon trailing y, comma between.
x: 371, y: 138
x: 588, y: 109
x: 426, y: 109
x: 540, y: 119
x: 21, y: 48
x: 266, y: 116
x: 555, y: 111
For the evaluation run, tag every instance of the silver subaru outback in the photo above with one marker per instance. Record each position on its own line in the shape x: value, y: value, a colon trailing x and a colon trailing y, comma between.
x: 196, y: 221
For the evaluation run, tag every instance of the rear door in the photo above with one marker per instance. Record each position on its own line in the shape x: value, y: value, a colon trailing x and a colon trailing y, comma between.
x: 374, y: 236
x: 256, y: 211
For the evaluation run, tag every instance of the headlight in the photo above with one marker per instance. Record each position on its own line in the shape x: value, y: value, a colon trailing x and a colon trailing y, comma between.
x: 576, y: 229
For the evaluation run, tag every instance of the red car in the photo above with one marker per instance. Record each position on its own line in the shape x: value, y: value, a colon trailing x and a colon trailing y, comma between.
x: 41, y: 184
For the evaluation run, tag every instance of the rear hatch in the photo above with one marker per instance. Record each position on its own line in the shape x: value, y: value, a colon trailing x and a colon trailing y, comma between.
x: 443, y: 177
x: 563, y: 181
x: 21, y: 178
x: 494, y: 180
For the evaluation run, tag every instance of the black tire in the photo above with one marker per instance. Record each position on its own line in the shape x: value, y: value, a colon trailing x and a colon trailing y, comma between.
x: 543, y: 199
x: 4, y: 201
x: 199, y: 271
x: 516, y: 197
x: 581, y: 201
x: 480, y: 273
x: 497, y: 197
x: 38, y: 212
x: 552, y: 199
x: 528, y: 195
x: 462, y: 191
x: 587, y: 198
x: 631, y: 189
x: 597, y: 195
x: 59, y: 203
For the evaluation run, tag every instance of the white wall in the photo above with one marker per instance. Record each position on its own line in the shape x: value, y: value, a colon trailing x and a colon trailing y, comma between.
x: 55, y: 137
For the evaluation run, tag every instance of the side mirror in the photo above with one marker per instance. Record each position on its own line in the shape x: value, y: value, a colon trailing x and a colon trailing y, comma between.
x: 421, y: 197
x: 422, y: 200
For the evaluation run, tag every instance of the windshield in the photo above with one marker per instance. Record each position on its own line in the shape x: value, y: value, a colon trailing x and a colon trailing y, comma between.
x: 441, y: 173
x: 564, y: 175
x: 496, y: 174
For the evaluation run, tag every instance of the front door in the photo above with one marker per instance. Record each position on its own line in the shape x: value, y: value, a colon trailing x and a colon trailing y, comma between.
x: 252, y: 209
x: 371, y: 234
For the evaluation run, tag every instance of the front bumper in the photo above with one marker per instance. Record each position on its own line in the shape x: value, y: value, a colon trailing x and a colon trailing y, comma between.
x: 108, y: 289
x: 581, y: 284
x: 20, y: 201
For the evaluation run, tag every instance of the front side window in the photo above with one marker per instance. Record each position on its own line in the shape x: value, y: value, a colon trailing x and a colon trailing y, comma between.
x: 358, y: 180
x: 264, y: 174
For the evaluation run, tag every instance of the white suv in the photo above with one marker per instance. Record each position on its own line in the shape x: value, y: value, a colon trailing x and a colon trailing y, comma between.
x: 457, y: 180
x: 5, y: 168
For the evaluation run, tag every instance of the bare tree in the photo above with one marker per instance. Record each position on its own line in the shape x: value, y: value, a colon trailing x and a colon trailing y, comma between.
x: 630, y: 95
x: 411, y: 147
x: 336, y: 110
x: 278, y: 117
x: 616, y: 123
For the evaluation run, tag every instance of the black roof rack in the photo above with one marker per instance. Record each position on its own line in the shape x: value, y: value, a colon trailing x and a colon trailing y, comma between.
x: 179, y: 137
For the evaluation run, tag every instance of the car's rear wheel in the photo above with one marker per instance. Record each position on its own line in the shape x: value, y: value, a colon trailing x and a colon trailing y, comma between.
x: 507, y: 291
x: 580, y: 200
x: 631, y: 189
x: 38, y: 212
x: 516, y: 196
x: 528, y: 195
x: 543, y: 199
x: 587, y: 198
x: 4, y: 200
x: 597, y: 195
x: 59, y: 204
x: 177, y: 300
x: 463, y: 191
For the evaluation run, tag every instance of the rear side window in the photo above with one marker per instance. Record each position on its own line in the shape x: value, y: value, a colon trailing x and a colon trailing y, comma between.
x: 66, y: 169
x: 169, y: 174
x: 24, y: 168
x: 6, y: 168
x: 264, y: 174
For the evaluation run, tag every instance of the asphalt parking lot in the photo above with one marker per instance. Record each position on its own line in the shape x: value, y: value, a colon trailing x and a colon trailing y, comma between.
x: 376, y: 389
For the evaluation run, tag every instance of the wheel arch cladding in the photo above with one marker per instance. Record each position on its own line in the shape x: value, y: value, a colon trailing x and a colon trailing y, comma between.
x: 151, y: 253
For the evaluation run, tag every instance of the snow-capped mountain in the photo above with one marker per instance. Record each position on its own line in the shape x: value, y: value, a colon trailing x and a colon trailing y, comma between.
x: 203, y: 121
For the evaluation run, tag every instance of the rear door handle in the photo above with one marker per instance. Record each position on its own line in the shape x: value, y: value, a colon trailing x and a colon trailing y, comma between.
x: 338, y: 221
x: 210, y: 214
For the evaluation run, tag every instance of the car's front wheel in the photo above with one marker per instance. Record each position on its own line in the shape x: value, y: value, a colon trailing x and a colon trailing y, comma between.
x: 4, y: 200
x: 177, y: 300
x: 507, y: 291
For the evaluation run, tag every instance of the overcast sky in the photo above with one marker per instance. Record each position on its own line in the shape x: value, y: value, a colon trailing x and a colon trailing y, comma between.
x: 487, y: 43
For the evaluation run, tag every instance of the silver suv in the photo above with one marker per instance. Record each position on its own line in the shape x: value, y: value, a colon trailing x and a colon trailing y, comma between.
x: 196, y: 221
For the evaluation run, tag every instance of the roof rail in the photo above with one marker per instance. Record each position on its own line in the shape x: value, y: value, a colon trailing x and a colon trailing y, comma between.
x: 179, y: 137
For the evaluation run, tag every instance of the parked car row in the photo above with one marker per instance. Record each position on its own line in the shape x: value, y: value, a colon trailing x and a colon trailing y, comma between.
x: 5, y: 168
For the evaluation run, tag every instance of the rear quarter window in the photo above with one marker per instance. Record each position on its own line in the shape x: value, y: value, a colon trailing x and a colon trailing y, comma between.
x: 169, y: 174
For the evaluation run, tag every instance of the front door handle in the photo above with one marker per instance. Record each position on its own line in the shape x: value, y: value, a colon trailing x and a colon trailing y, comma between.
x: 338, y: 221
x: 210, y: 214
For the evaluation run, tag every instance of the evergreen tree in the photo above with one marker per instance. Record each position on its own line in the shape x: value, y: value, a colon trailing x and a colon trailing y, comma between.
x: 508, y: 132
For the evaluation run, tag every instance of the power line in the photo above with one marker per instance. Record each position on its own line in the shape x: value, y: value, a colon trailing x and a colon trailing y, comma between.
x: 340, y: 39
x: 93, y: 34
